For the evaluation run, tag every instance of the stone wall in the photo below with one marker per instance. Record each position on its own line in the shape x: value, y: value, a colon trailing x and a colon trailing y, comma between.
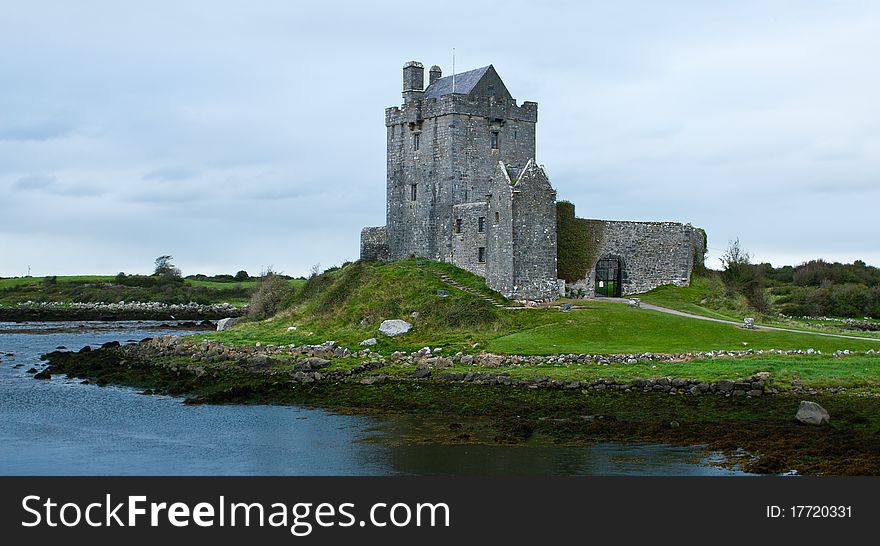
x: 374, y: 245
x: 651, y: 254
x: 522, y: 243
x: 467, y: 243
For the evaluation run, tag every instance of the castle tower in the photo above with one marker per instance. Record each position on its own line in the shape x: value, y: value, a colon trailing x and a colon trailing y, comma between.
x: 450, y: 197
x: 442, y: 146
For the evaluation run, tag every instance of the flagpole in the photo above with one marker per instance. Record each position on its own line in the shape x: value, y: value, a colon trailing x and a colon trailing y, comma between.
x: 453, y: 70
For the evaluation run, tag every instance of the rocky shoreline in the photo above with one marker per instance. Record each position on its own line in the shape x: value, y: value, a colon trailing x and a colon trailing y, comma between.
x: 57, y: 311
x: 759, y: 432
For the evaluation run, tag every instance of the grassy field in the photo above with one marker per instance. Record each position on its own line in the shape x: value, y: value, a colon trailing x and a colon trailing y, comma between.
x: 90, y: 288
x: 694, y: 299
x: 606, y: 327
x: 348, y: 305
x: 688, y: 299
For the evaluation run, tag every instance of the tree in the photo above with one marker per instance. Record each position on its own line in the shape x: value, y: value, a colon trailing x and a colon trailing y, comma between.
x: 165, y: 269
x: 242, y: 276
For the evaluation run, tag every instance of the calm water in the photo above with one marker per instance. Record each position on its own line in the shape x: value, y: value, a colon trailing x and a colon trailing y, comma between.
x: 62, y: 427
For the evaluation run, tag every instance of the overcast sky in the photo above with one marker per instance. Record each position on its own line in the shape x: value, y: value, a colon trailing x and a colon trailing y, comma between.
x: 241, y: 134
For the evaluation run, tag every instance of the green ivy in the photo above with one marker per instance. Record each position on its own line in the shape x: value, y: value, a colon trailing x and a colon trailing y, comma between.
x: 577, y: 242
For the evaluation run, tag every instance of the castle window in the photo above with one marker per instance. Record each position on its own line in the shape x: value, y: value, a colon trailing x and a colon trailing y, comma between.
x: 497, y: 217
x: 458, y: 223
x: 413, y: 191
x: 481, y: 254
x: 514, y: 134
x: 494, y: 140
x: 481, y: 224
x: 416, y: 139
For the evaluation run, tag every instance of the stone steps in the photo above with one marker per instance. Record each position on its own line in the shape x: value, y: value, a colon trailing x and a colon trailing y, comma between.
x: 446, y: 279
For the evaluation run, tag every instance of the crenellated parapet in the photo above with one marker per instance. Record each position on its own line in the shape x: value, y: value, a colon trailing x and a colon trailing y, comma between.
x: 491, y: 108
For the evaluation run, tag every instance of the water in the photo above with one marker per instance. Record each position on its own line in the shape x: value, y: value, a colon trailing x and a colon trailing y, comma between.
x: 63, y: 427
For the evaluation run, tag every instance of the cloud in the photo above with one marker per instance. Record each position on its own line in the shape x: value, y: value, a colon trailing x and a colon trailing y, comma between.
x: 35, y: 130
x: 35, y: 182
x: 50, y: 185
x: 750, y: 119
x: 170, y: 174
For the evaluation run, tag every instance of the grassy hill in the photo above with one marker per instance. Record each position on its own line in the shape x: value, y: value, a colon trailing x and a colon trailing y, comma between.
x: 348, y: 304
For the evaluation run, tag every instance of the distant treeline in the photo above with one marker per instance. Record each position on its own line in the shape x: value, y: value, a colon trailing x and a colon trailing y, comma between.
x: 819, y: 288
x: 141, y: 288
x: 815, y: 288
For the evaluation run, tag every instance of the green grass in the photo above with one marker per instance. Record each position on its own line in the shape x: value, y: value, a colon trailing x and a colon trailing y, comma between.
x: 694, y: 299
x: 608, y: 327
x: 812, y: 371
x: 347, y: 306
x: 24, y: 281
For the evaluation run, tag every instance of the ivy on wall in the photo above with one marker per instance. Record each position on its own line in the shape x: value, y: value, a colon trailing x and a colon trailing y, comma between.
x: 577, y: 242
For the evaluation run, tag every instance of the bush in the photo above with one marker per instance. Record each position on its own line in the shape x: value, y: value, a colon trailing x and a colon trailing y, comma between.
x: 269, y: 296
x: 742, y: 276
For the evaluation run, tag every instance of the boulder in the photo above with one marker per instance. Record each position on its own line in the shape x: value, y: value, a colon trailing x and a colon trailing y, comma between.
x: 811, y: 413
x: 225, y: 323
x: 374, y: 379
x: 369, y: 342
x: 394, y: 327
x: 725, y: 385
x: 422, y: 373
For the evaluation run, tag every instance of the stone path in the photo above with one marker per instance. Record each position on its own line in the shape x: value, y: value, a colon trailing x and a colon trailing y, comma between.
x: 723, y: 321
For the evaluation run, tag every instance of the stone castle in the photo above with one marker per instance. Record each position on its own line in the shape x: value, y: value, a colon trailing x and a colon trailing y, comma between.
x: 463, y: 187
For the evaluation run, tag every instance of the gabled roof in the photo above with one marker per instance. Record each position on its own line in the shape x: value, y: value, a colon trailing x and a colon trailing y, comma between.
x: 464, y: 83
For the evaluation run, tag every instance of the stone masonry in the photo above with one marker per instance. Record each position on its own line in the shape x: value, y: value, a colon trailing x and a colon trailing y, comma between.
x: 463, y: 187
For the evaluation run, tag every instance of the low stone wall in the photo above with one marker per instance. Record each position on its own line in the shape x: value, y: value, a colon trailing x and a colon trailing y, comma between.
x: 374, y: 244
x: 37, y: 311
x: 309, y: 363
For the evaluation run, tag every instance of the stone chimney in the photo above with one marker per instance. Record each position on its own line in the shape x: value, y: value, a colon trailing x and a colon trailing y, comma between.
x: 434, y: 75
x: 413, y: 80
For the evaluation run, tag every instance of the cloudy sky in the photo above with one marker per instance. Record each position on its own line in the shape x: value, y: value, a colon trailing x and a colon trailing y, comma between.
x: 241, y: 134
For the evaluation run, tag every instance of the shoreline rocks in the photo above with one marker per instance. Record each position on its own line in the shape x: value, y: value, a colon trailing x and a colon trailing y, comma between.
x: 811, y: 413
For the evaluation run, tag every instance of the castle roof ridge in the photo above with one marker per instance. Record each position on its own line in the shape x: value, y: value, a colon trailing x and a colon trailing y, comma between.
x: 464, y: 82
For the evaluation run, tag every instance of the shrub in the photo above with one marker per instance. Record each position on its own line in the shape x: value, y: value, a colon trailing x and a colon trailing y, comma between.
x: 269, y: 296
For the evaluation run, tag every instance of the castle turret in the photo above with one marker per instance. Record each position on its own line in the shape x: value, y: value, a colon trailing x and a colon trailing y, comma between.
x: 413, y: 81
x: 434, y: 74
